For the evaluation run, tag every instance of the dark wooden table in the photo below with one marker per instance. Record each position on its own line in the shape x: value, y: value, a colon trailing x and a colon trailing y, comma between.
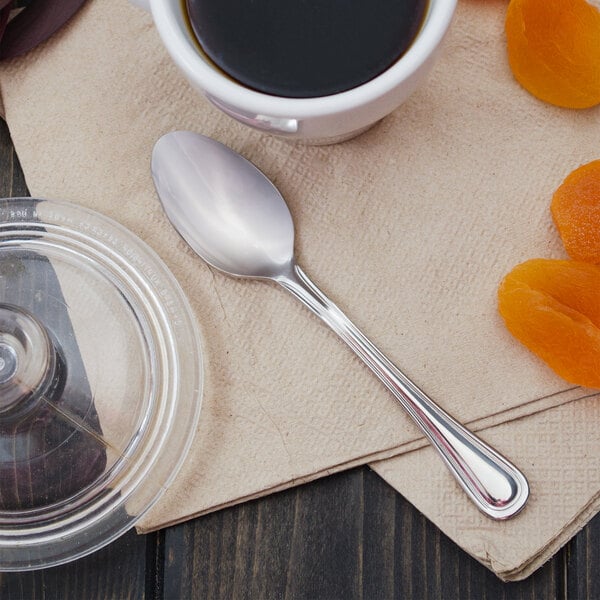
x: 346, y: 536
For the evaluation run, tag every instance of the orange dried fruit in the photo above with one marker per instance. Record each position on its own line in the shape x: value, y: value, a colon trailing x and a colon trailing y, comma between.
x: 554, y: 50
x: 553, y: 308
x: 575, y: 209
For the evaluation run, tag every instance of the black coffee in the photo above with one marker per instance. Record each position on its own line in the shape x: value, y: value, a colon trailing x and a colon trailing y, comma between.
x: 305, y: 48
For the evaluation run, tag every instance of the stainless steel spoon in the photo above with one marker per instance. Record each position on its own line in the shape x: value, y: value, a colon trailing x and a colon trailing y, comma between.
x: 237, y: 221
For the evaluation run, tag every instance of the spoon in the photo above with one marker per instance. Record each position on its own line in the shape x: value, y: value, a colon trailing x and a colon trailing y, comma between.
x: 237, y: 221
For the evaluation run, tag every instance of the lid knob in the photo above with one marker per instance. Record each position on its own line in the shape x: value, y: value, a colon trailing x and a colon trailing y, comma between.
x: 27, y: 362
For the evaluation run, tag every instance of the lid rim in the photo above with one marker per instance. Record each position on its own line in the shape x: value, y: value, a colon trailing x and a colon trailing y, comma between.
x: 175, y: 358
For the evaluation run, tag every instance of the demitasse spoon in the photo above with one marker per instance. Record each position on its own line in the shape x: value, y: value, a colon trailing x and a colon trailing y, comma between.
x: 237, y: 221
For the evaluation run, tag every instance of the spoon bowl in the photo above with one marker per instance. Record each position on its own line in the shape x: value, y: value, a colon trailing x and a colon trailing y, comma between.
x: 241, y: 225
x: 237, y: 221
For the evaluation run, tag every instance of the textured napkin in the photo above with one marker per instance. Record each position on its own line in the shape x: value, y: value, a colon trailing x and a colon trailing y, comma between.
x: 409, y: 228
x: 558, y: 449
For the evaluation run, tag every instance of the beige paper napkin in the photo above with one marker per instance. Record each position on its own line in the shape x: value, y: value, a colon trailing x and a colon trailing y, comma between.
x: 409, y: 228
x: 559, y: 451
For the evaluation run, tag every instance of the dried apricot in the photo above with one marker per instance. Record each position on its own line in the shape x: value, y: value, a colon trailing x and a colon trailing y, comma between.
x: 575, y: 209
x: 554, y: 50
x: 553, y: 308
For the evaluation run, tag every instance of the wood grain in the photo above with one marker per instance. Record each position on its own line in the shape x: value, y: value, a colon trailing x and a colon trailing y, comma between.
x: 346, y: 536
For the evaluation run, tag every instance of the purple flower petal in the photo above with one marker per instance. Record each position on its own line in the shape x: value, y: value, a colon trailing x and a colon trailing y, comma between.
x: 4, y: 14
x: 35, y: 24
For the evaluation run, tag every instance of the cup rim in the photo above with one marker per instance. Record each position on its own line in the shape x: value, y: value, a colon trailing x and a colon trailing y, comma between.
x: 207, y: 78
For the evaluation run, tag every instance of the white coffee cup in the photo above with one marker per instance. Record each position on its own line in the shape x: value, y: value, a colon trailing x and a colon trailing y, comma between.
x: 326, y: 119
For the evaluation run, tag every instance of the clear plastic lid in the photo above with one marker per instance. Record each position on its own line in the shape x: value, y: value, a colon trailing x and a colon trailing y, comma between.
x: 100, y: 381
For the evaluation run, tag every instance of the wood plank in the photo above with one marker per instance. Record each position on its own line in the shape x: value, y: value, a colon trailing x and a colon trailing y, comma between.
x: 116, y: 571
x: 12, y: 181
x: 583, y: 556
x: 346, y: 536
x: 301, y: 543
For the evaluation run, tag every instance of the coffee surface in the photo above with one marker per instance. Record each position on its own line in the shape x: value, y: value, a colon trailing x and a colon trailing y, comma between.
x: 305, y: 48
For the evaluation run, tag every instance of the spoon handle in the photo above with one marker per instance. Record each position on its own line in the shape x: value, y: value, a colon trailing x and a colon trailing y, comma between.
x: 496, y: 486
